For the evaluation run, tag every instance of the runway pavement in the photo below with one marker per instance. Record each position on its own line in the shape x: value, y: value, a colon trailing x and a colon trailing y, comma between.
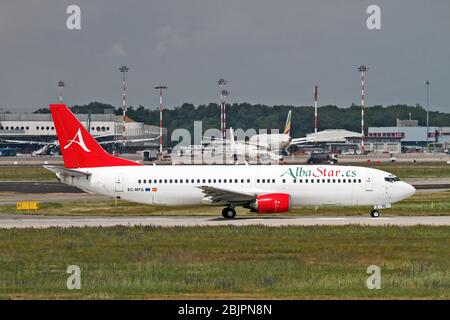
x: 12, y: 198
x: 16, y: 221
x: 37, y: 187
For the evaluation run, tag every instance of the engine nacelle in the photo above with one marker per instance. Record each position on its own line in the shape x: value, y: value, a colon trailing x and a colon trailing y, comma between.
x: 271, y: 203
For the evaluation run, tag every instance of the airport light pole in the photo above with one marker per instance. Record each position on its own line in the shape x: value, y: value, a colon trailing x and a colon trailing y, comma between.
x: 161, y: 89
x: 316, y: 96
x: 428, y: 83
x: 61, y: 85
x: 123, y: 70
x: 362, y: 69
x: 223, y: 93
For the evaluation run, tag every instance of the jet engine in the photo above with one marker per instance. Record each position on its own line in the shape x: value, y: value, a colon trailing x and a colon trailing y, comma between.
x: 271, y: 203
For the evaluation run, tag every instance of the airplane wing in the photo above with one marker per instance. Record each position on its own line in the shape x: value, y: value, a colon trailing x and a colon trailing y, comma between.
x: 25, y: 141
x: 300, y: 140
x: 218, y: 195
x: 128, y: 140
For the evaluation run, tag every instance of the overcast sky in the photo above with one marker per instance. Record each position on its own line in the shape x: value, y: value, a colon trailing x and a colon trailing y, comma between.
x: 271, y: 52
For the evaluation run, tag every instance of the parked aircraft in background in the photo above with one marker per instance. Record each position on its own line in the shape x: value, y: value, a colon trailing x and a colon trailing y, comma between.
x: 262, y: 189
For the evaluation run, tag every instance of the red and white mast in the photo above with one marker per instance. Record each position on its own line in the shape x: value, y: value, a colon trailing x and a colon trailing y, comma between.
x: 223, y: 117
x: 124, y: 69
x: 161, y: 88
x: 362, y: 69
x: 316, y: 96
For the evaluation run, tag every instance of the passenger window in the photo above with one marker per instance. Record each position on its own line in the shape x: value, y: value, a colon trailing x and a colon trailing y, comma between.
x: 323, y: 180
x: 165, y: 180
x: 263, y: 180
x: 170, y: 180
x: 242, y: 180
x: 284, y: 180
x: 300, y: 181
x: 176, y: 180
x: 306, y: 180
x: 235, y: 180
x: 139, y: 181
x: 209, y: 180
x: 248, y: 180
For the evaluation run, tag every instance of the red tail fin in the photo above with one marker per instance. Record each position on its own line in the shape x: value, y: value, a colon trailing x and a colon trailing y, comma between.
x: 78, y: 147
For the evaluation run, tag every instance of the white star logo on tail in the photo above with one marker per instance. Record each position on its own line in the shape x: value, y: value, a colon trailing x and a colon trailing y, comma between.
x: 78, y: 139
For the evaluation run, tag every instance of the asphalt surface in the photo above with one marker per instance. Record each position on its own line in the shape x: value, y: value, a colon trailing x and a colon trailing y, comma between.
x: 12, y: 198
x: 19, y: 221
x: 37, y: 187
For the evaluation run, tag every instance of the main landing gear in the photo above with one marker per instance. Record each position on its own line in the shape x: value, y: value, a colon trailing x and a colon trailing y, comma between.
x: 375, y: 213
x: 228, y: 213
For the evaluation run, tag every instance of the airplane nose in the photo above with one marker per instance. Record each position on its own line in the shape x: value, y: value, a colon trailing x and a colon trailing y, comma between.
x: 409, y: 190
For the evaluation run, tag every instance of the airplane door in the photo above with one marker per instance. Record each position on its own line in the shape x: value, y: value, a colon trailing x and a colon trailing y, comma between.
x: 369, y: 183
x: 119, y: 184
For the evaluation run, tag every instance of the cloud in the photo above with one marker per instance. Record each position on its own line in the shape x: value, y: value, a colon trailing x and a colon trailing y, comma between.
x: 168, y: 39
x: 117, y: 50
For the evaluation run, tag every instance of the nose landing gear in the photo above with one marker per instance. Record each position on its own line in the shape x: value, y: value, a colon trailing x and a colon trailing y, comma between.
x: 375, y: 213
x: 228, y: 213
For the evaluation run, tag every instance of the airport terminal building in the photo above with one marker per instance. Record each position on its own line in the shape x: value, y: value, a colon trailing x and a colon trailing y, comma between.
x: 411, y: 135
x: 40, y: 127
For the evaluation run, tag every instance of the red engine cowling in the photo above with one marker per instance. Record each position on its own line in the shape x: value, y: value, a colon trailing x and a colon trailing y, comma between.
x: 271, y: 203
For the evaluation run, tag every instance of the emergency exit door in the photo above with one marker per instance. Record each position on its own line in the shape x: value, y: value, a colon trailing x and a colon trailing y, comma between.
x: 369, y: 183
x: 119, y: 184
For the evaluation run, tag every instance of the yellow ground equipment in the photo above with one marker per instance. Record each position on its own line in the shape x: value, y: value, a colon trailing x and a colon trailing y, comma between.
x: 27, y: 205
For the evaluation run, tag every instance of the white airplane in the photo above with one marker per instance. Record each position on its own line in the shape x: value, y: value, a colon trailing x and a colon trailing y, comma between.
x: 239, y: 151
x: 50, y: 148
x: 274, y: 141
x: 262, y: 189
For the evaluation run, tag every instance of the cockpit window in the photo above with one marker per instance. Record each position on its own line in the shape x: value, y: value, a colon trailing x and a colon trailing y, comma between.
x: 392, y: 179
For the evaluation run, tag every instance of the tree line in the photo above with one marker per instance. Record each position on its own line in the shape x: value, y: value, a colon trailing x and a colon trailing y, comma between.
x: 258, y: 116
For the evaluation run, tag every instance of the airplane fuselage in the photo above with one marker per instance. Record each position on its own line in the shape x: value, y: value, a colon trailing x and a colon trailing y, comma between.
x: 272, y: 141
x: 305, y: 184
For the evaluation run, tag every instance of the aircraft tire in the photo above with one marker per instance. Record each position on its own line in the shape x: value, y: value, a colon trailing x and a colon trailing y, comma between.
x: 228, y: 213
x: 375, y: 214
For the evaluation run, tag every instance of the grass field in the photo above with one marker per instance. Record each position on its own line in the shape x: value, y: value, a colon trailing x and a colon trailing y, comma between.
x: 38, y: 173
x: 226, y: 262
x: 25, y: 173
x: 415, y: 170
x: 422, y: 203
